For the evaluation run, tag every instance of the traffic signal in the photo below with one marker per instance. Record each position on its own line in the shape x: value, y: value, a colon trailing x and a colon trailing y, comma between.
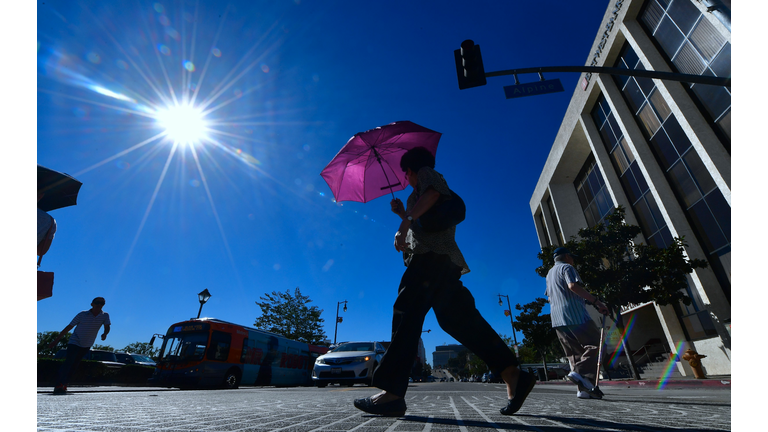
x: 469, y: 65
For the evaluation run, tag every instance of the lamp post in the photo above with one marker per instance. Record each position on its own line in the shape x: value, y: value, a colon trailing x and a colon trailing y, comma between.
x: 511, y: 318
x: 338, y: 319
x: 203, y: 297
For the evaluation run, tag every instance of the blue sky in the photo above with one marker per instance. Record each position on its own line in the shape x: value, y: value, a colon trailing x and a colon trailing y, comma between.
x: 292, y: 81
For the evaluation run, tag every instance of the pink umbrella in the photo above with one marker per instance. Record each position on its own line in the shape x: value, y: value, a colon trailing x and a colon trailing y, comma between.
x: 368, y: 166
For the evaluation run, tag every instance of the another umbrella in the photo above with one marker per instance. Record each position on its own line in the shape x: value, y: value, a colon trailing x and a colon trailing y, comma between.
x: 60, y: 189
x: 368, y: 166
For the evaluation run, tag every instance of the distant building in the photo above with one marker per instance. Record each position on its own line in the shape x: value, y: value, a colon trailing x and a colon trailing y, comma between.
x: 660, y: 149
x: 445, y: 352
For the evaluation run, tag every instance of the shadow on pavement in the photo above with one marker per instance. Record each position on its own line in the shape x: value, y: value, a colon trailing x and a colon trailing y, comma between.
x: 584, y: 425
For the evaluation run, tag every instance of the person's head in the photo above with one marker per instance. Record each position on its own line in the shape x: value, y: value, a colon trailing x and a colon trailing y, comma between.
x: 562, y: 254
x: 415, y: 159
x: 98, y: 303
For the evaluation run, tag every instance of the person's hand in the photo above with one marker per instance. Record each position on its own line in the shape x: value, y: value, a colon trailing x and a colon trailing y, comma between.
x: 103, y: 336
x: 397, y: 207
x: 601, y: 307
x: 400, y: 244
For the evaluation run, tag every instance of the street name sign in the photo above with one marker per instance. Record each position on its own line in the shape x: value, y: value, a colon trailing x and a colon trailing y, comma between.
x: 533, y: 89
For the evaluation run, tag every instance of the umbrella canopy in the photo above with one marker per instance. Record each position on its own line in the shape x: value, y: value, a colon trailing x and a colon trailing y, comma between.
x: 60, y: 189
x: 368, y: 166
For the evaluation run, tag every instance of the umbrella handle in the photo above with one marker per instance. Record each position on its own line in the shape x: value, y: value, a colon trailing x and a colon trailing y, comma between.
x: 378, y: 159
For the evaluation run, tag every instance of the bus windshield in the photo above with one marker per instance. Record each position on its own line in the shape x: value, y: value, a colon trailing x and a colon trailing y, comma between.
x: 184, y: 347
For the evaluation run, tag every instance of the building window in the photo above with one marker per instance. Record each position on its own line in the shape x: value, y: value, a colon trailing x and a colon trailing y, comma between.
x: 708, y: 212
x: 633, y: 182
x: 692, y: 45
x: 543, y: 231
x: 558, y: 240
x: 593, y: 194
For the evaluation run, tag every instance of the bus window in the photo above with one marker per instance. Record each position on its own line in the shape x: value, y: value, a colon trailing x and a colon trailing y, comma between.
x: 219, y: 349
x: 184, y: 347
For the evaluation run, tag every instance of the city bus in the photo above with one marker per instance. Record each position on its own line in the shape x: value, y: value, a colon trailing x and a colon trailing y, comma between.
x: 208, y: 352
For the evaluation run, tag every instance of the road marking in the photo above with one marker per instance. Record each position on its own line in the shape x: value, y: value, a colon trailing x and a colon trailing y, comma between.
x: 457, y: 415
x: 492, y: 423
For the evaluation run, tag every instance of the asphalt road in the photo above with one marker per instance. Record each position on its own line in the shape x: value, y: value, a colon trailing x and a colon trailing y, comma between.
x: 431, y: 407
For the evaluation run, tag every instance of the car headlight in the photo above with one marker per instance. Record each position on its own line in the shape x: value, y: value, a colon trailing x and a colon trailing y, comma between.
x: 320, y: 360
x: 361, y: 359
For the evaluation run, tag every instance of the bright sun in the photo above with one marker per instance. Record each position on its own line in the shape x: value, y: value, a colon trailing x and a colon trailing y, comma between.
x: 183, y: 123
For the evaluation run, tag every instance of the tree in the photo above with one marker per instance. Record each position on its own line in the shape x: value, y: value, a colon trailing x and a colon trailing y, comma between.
x: 288, y: 315
x: 536, y: 328
x: 103, y: 347
x: 143, y: 348
x: 527, y: 354
x: 45, y: 338
x: 623, y: 271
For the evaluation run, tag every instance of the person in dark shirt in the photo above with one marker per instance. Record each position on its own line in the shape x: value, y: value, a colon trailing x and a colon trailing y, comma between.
x: 432, y: 281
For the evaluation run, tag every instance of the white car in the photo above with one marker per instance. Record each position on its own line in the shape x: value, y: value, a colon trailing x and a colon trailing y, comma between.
x: 348, y: 363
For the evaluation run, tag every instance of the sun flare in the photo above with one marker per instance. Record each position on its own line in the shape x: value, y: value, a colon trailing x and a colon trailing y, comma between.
x: 184, y: 124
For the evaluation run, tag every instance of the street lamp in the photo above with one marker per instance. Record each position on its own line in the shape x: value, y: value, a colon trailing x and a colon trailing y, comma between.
x: 426, y: 331
x: 338, y: 319
x: 511, y: 318
x: 203, y: 297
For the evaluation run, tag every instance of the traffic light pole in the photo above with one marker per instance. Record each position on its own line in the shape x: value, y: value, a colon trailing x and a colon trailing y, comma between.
x: 669, y: 76
x: 471, y: 73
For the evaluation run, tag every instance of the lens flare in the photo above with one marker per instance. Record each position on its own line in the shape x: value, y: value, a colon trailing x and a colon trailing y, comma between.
x: 619, y: 348
x: 669, y: 367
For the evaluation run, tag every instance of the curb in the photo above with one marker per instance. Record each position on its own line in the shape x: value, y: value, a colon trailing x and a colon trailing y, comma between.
x: 106, y: 389
x: 673, y: 383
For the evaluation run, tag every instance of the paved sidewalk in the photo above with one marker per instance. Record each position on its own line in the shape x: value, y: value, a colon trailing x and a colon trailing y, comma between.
x: 678, y: 382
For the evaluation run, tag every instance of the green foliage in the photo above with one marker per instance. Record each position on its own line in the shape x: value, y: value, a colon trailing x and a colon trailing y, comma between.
x: 537, y: 328
x: 103, y: 347
x: 143, y: 348
x: 45, y: 338
x: 623, y: 272
x: 527, y: 354
x: 288, y: 315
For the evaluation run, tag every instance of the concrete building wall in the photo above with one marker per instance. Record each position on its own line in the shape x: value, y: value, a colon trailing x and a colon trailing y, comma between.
x: 579, y: 137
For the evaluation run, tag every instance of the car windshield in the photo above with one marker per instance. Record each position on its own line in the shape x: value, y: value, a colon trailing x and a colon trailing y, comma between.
x: 359, y: 346
x: 184, y: 347
x: 141, y: 358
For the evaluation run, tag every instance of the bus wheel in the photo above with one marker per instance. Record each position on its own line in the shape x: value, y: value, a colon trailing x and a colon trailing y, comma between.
x: 232, y: 379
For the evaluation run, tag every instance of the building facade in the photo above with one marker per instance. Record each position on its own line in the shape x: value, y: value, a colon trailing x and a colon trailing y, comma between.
x: 660, y: 149
x: 443, y: 353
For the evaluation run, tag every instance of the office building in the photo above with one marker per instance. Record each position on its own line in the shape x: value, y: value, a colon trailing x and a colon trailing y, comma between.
x: 660, y: 149
x: 443, y: 353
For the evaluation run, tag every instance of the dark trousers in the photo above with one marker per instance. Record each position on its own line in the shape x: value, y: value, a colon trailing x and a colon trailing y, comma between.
x: 581, y: 345
x: 74, y: 355
x: 432, y: 282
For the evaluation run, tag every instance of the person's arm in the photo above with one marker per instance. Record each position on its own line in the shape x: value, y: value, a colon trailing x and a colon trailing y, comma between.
x: 61, y: 335
x: 425, y: 202
x: 579, y: 290
x: 106, y: 332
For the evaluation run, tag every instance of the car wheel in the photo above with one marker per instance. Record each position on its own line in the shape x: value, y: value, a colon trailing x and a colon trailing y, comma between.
x: 321, y: 384
x: 232, y: 379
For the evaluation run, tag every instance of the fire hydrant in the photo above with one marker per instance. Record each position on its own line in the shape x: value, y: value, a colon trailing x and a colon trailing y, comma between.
x: 693, y: 359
